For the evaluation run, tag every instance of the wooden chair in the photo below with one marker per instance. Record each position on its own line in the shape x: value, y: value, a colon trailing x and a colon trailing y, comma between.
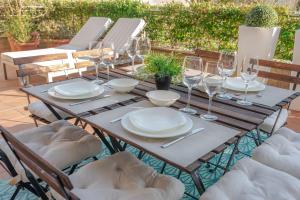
x: 119, y: 175
x: 27, y: 68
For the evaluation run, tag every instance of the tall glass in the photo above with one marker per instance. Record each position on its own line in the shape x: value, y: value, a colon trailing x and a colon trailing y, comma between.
x: 212, y: 83
x: 226, y: 66
x: 249, y: 71
x: 192, y: 76
x: 131, y: 50
x: 109, y: 56
x: 144, y: 47
x: 95, y: 56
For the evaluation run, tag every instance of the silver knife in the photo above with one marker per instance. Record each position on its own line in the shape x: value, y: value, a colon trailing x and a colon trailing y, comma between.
x: 197, y: 130
x: 89, y: 100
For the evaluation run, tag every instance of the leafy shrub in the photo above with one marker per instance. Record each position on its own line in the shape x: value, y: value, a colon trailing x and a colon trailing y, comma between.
x: 262, y: 16
x: 162, y: 66
x: 203, y: 25
x: 20, y: 28
x: 51, y: 29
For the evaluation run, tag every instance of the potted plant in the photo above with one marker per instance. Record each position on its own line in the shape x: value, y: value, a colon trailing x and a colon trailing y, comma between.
x: 259, y: 35
x: 54, y: 33
x: 163, y: 69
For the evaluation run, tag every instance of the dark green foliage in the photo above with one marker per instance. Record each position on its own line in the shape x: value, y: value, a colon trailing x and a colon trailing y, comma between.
x: 262, y: 16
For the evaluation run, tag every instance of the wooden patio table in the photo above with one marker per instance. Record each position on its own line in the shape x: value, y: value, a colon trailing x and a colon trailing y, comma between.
x: 234, y: 122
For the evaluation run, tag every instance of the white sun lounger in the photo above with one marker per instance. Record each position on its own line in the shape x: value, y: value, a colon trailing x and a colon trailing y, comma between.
x: 93, y: 29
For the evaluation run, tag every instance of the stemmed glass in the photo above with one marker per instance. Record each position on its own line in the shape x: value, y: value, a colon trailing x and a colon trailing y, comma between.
x: 226, y: 66
x: 192, y: 76
x: 144, y: 47
x: 212, y: 83
x: 249, y: 71
x: 131, y: 50
x: 109, y: 57
x: 95, y: 56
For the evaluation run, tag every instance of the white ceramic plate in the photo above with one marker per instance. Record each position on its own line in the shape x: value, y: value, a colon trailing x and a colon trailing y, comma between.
x: 157, y: 119
x: 126, y: 124
x: 54, y: 94
x: 123, y: 84
x: 162, y: 97
x: 75, y: 89
x: 238, y: 84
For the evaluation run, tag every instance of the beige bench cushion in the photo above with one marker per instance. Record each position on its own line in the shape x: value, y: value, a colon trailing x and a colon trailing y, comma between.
x: 60, y: 143
x: 251, y: 180
x: 40, y: 110
x: 281, y: 151
x: 123, y: 176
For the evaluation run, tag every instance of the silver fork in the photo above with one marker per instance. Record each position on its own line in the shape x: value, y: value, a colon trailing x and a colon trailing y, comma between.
x: 119, y: 118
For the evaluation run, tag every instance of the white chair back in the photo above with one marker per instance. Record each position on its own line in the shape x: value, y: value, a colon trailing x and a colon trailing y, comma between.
x: 124, y: 29
x: 92, y: 30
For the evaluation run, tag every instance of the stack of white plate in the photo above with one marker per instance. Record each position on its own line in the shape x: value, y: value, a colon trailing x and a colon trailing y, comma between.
x: 157, y: 122
x: 76, y: 90
x: 238, y: 84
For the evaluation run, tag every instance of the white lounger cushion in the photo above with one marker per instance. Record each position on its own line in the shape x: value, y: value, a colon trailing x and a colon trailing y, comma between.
x: 39, y: 109
x: 251, y: 180
x: 60, y: 143
x: 270, y: 121
x: 122, y: 31
x: 123, y: 177
x: 92, y: 30
x: 281, y: 151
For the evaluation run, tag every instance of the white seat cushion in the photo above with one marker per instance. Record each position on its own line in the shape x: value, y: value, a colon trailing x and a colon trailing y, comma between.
x: 270, y: 121
x: 281, y: 151
x: 60, y: 143
x: 122, y: 31
x: 123, y: 176
x: 92, y: 30
x: 251, y: 180
x: 39, y: 109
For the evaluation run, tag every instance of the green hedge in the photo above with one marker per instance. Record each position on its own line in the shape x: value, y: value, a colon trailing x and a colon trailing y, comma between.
x: 205, y: 25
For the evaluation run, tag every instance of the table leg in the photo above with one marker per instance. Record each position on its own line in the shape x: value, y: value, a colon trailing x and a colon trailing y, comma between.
x: 198, y: 182
x: 104, y: 140
x: 116, y: 145
x: 235, y: 148
x: 279, y: 113
x: 53, y: 111
x: 5, y: 71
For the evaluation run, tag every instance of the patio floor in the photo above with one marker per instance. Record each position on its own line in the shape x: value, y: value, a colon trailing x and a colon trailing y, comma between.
x: 15, y: 118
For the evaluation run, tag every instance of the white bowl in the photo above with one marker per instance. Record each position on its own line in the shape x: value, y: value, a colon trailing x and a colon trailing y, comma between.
x: 162, y: 97
x: 123, y: 84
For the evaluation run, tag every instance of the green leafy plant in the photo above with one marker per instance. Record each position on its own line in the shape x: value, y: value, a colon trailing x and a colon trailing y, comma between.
x: 20, y: 28
x: 162, y: 66
x: 51, y: 29
x: 262, y: 16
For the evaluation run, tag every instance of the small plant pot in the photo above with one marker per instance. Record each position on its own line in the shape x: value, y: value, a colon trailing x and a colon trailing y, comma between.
x: 17, y: 46
x: 162, y: 83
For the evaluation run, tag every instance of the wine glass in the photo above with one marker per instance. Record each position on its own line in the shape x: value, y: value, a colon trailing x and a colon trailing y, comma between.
x: 109, y: 56
x: 212, y: 83
x: 144, y: 47
x: 226, y: 66
x: 95, y: 56
x: 249, y: 71
x: 192, y: 76
x: 131, y: 50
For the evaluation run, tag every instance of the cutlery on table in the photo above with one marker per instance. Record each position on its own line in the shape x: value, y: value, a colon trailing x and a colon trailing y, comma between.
x: 89, y: 100
x: 193, y: 132
x: 119, y: 118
